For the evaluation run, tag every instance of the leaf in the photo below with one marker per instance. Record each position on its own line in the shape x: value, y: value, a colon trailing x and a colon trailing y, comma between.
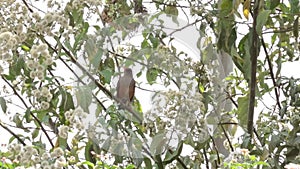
x: 94, y: 52
x: 130, y: 166
x: 35, y: 133
x: 148, y: 163
x: 107, y: 74
x: 89, y: 164
x: 62, y: 143
x: 158, y: 144
x: 242, y: 110
x: 84, y: 97
x: 151, y: 75
x: 296, y: 28
x: 261, y: 20
x: 87, y: 151
x: 294, y: 6
x: 274, y: 4
x: 153, y: 40
x: 66, y: 100
x: 3, y: 104
x: 171, y: 157
x: 171, y: 10
x: 27, y: 115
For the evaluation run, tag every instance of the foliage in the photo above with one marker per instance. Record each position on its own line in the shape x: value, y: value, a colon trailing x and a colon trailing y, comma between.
x: 60, y: 63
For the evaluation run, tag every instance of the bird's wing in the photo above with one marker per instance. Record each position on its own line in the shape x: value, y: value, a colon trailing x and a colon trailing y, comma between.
x: 118, y: 88
x: 131, y: 89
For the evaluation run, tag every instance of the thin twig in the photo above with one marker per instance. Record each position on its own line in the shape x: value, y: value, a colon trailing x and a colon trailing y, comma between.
x: 27, y: 6
x: 206, y: 159
x: 12, y: 133
x: 217, y: 151
x: 271, y: 73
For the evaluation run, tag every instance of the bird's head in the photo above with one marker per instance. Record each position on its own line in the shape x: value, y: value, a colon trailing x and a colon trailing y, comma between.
x: 127, y: 71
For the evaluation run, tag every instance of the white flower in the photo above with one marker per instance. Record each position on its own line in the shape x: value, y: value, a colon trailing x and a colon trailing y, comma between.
x: 63, y: 131
x: 45, y: 156
x: 44, y: 91
x: 47, y: 167
x: 7, y: 56
x: 49, y: 97
x: 80, y: 113
x: 45, y: 105
x: 30, y: 64
x: 57, y: 152
x: 68, y: 114
x: 42, y: 47
x: 49, y: 60
x: 40, y: 68
x: 32, y: 74
x: 79, y: 125
x: 40, y: 75
x: 34, y: 53
x: 44, y: 163
x: 5, y: 36
x: 60, y: 162
x: 36, y: 93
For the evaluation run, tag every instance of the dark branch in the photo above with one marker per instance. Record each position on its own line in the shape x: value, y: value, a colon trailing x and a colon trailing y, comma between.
x: 254, y: 54
x: 271, y: 73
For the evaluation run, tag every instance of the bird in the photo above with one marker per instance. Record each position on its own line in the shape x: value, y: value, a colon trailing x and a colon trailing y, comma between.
x: 126, y: 87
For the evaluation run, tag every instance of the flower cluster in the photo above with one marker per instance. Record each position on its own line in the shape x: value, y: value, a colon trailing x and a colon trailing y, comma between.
x: 75, y: 118
x: 43, y: 96
x: 29, y: 156
x: 7, y: 42
x: 39, y: 61
x: 174, y: 111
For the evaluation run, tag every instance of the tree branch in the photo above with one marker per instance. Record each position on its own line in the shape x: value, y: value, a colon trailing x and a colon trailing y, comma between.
x: 254, y: 54
x: 34, y: 117
x: 271, y: 73
x: 12, y: 133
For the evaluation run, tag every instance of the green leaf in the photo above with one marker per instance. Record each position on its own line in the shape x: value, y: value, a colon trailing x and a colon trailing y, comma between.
x: 261, y: 20
x: 19, y: 123
x: 94, y: 52
x: 158, y: 143
x: 242, y: 110
x: 62, y: 142
x: 171, y: 157
x: 88, y: 163
x: 153, y: 40
x: 84, y: 97
x: 296, y: 27
x: 294, y: 6
x: 35, y: 133
x: 107, y: 74
x: 274, y: 4
x: 27, y: 115
x: 148, y: 163
x: 151, y: 75
x: 130, y: 166
x: 3, y: 104
x: 87, y: 151
x: 171, y: 10
x: 66, y: 100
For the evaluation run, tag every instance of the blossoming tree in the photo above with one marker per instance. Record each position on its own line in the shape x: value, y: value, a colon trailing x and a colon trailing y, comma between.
x: 203, y: 70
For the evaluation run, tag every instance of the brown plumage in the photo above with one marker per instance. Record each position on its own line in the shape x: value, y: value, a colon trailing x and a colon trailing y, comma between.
x: 126, y: 87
